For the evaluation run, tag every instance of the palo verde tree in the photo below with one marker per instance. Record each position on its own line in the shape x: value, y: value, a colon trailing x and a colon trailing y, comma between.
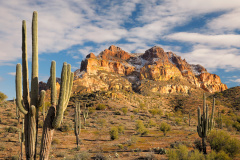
x: 29, y: 104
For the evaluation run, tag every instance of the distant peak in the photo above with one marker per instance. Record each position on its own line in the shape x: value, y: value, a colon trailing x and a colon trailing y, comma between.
x: 114, y: 48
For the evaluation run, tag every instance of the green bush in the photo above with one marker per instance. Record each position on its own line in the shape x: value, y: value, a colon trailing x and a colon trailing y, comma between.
x: 91, y: 110
x: 142, y: 105
x: 178, y: 121
x: 121, y: 129
x: 140, y: 128
x: 124, y: 110
x: 3, y: 97
x: 113, y: 133
x: 222, y: 141
x: 196, y: 155
x: 101, y: 107
x: 135, y: 111
x: 236, y: 125
x: 155, y: 112
x: 151, y: 123
x: 217, y: 156
x: 164, y: 127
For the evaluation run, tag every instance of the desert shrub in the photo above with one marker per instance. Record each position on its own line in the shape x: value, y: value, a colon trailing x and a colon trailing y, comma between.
x: 55, y: 141
x: 178, y: 121
x: 182, y: 152
x: 132, y: 117
x: 151, y: 123
x: 220, y: 140
x: 217, y: 156
x: 140, y: 128
x: 150, y: 156
x: 164, y: 127
x: 117, y: 113
x: 172, y: 154
x: 198, y: 144
x: 236, y: 125
x: 82, y: 156
x: 100, y: 156
x: 65, y: 127
x: 2, y: 147
x: 91, y: 110
x: 113, y: 133
x: 135, y: 111
x: 14, y: 157
x: 142, y: 105
x: 196, y: 155
x: 3, y: 97
x: 121, y: 129
x: 11, y: 129
x: 132, y: 140
x: 124, y: 110
x: 101, y: 107
x: 155, y: 112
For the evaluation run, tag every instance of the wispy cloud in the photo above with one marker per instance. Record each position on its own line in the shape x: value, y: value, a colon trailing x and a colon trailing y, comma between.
x: 12, y: 73
x: 134, y: 25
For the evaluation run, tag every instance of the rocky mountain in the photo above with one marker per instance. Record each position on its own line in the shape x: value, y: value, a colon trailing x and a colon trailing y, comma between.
x: 156, y: 70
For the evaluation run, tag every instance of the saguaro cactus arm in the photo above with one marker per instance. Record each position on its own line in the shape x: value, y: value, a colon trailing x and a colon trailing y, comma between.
x: 41, y: 99
x: 19, y: 89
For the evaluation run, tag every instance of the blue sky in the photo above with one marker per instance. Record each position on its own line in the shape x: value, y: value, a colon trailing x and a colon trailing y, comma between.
x: 203, y: 32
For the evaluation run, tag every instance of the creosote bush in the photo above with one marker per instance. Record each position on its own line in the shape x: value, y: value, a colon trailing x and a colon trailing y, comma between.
x: 140, y: 128
x: 3, y: 97
x: 222, y: 141
x: 124, y: 110
x: 101, y: 107
x: 113, y: 133
x: 164, y: 127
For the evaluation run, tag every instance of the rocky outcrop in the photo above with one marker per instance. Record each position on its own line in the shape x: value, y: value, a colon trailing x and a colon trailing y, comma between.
x: 155, y: 64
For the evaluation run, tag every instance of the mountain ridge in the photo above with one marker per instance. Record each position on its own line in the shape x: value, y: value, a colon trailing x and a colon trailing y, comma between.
x: 155, y: 65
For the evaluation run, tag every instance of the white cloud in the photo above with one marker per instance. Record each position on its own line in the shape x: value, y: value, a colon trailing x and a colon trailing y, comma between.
x: 12, y: 73
x: 224, y: 40
x: 235, y: 80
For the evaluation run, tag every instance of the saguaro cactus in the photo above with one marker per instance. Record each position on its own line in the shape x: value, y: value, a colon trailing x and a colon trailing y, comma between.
x: 204, y: 122
x: 29, y: 105
x: 77, y: 122
x: 85, y: 115
x: 52, y: 120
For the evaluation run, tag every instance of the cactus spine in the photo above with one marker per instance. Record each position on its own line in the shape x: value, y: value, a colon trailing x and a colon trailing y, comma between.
x: 205, y: 123
x: 77, y: 122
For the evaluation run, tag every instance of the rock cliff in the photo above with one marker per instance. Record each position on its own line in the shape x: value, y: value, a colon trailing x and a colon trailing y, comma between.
x: 155, y: 65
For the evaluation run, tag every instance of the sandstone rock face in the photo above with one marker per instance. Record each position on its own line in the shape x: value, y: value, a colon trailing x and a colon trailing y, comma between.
x: 155, y: 65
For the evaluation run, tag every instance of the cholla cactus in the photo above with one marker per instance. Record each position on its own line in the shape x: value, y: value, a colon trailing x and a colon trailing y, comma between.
x: 205, y: 123
x: 77, y: 122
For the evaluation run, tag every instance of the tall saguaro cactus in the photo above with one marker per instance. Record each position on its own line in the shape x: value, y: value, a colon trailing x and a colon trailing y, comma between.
x: 29, y: 105
x: 205, y: 123
x: 77, y: 121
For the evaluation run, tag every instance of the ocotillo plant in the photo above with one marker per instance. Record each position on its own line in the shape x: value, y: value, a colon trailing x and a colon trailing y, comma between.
x: 204, y: 122
x: 30, y: 104
x: 77, y: 121
x: 85, y: 115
